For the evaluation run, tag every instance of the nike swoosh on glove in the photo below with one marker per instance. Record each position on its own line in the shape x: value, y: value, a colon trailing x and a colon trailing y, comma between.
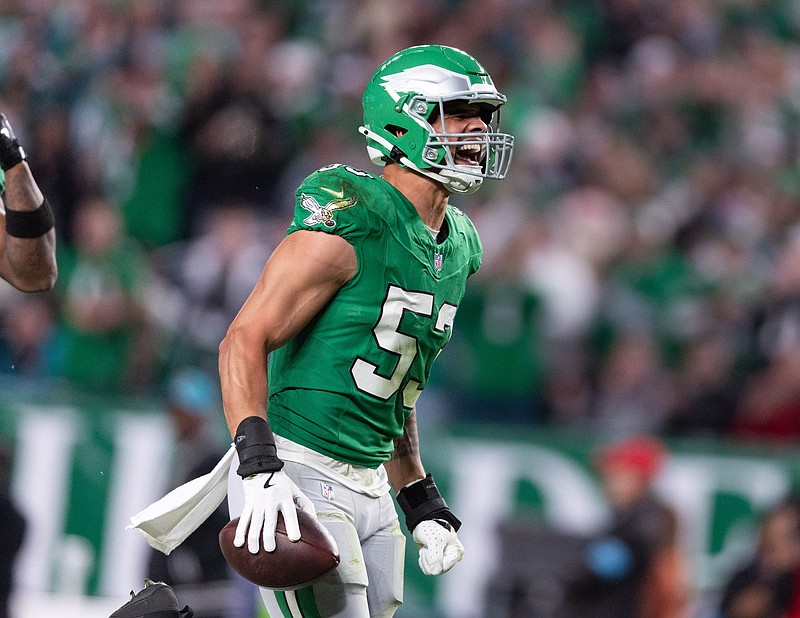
x: 439, y: 547
x: 265, y: 495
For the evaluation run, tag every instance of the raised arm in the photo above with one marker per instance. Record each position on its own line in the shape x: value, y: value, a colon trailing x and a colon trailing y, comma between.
x: 27, y: 233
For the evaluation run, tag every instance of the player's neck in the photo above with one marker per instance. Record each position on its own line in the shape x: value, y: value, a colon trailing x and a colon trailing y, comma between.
x: 428, y: 196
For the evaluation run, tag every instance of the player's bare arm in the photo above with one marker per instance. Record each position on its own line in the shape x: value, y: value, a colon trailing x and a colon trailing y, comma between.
x: 298, y: 280
x: 432, y: 524
x: 427, y: 515
x: 27, y: 233
x: 405, y: 465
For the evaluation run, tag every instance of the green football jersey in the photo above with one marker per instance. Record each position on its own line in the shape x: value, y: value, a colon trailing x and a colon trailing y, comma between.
x: 346, y: 384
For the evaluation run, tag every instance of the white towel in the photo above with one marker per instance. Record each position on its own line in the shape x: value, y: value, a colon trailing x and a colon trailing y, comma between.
x: 166, y: 523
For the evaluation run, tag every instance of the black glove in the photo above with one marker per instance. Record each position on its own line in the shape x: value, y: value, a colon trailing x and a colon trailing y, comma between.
x: 11, y: 152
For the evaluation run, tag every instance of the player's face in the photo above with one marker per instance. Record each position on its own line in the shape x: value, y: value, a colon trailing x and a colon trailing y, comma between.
x: 464, y: 118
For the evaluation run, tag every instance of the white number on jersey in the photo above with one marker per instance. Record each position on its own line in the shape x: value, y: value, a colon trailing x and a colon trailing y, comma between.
x: 389, y: 338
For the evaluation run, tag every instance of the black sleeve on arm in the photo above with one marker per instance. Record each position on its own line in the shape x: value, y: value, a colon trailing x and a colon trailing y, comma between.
x: 421, y: 500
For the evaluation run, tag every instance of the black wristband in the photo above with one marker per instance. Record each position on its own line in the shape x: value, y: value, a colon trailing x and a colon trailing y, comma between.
x: 421, y: 501
x: 30, y: 223
x: 255, y: 444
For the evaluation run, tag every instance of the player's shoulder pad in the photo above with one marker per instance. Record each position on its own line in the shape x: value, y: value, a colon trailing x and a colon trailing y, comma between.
x: 333, y: 199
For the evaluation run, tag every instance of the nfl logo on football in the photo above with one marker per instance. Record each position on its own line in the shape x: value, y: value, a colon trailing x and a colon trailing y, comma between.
x: 327, y: 491
x: 437, y: 261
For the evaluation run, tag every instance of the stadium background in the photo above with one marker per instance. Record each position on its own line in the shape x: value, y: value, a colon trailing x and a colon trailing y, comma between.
x: 641, y: 272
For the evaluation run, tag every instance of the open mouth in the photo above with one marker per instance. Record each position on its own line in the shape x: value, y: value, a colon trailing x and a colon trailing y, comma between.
x: 469, y: 153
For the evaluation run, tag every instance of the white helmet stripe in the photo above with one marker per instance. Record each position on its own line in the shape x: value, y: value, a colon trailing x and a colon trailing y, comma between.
x: 427, y: 80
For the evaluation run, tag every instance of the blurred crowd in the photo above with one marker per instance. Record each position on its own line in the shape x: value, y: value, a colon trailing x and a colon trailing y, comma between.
x: 642, y: 261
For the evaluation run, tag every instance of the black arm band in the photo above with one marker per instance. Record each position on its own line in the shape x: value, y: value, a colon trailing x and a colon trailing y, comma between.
x: 421, y: 501
x: 30, y: 223
x: 255, y: 445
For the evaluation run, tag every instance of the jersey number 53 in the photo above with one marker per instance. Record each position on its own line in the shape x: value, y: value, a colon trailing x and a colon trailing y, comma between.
x: 389, y: 338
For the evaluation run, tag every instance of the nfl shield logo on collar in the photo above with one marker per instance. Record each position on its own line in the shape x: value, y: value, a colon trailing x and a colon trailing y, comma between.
x: 437, y: 261
x: 327, y: 491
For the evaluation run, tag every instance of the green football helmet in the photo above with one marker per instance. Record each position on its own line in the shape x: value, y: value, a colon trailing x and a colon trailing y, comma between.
x: 409, y: 92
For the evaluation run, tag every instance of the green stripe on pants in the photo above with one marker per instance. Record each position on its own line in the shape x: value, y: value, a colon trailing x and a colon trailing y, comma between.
x: 302, y: 599
x: 305, y: 599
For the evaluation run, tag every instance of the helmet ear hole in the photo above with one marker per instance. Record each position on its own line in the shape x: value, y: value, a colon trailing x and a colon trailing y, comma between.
x: 395, y: 130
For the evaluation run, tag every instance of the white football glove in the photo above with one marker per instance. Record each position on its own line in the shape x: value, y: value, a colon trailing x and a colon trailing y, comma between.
x: 439, y: 547
x: 265, y: 495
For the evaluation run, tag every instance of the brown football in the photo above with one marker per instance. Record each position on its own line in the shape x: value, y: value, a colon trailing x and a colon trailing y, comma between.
x: 291, y: 565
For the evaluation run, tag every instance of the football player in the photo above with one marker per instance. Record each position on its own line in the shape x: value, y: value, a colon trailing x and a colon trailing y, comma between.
x: 352, y: 308
x: 28, y: 238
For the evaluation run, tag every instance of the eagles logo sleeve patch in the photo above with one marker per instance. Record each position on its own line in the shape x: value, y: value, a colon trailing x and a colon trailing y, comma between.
x: 324, y: 214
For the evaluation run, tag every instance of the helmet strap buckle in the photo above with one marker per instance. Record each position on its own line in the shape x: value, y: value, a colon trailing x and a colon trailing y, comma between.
x: 396, y: 154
